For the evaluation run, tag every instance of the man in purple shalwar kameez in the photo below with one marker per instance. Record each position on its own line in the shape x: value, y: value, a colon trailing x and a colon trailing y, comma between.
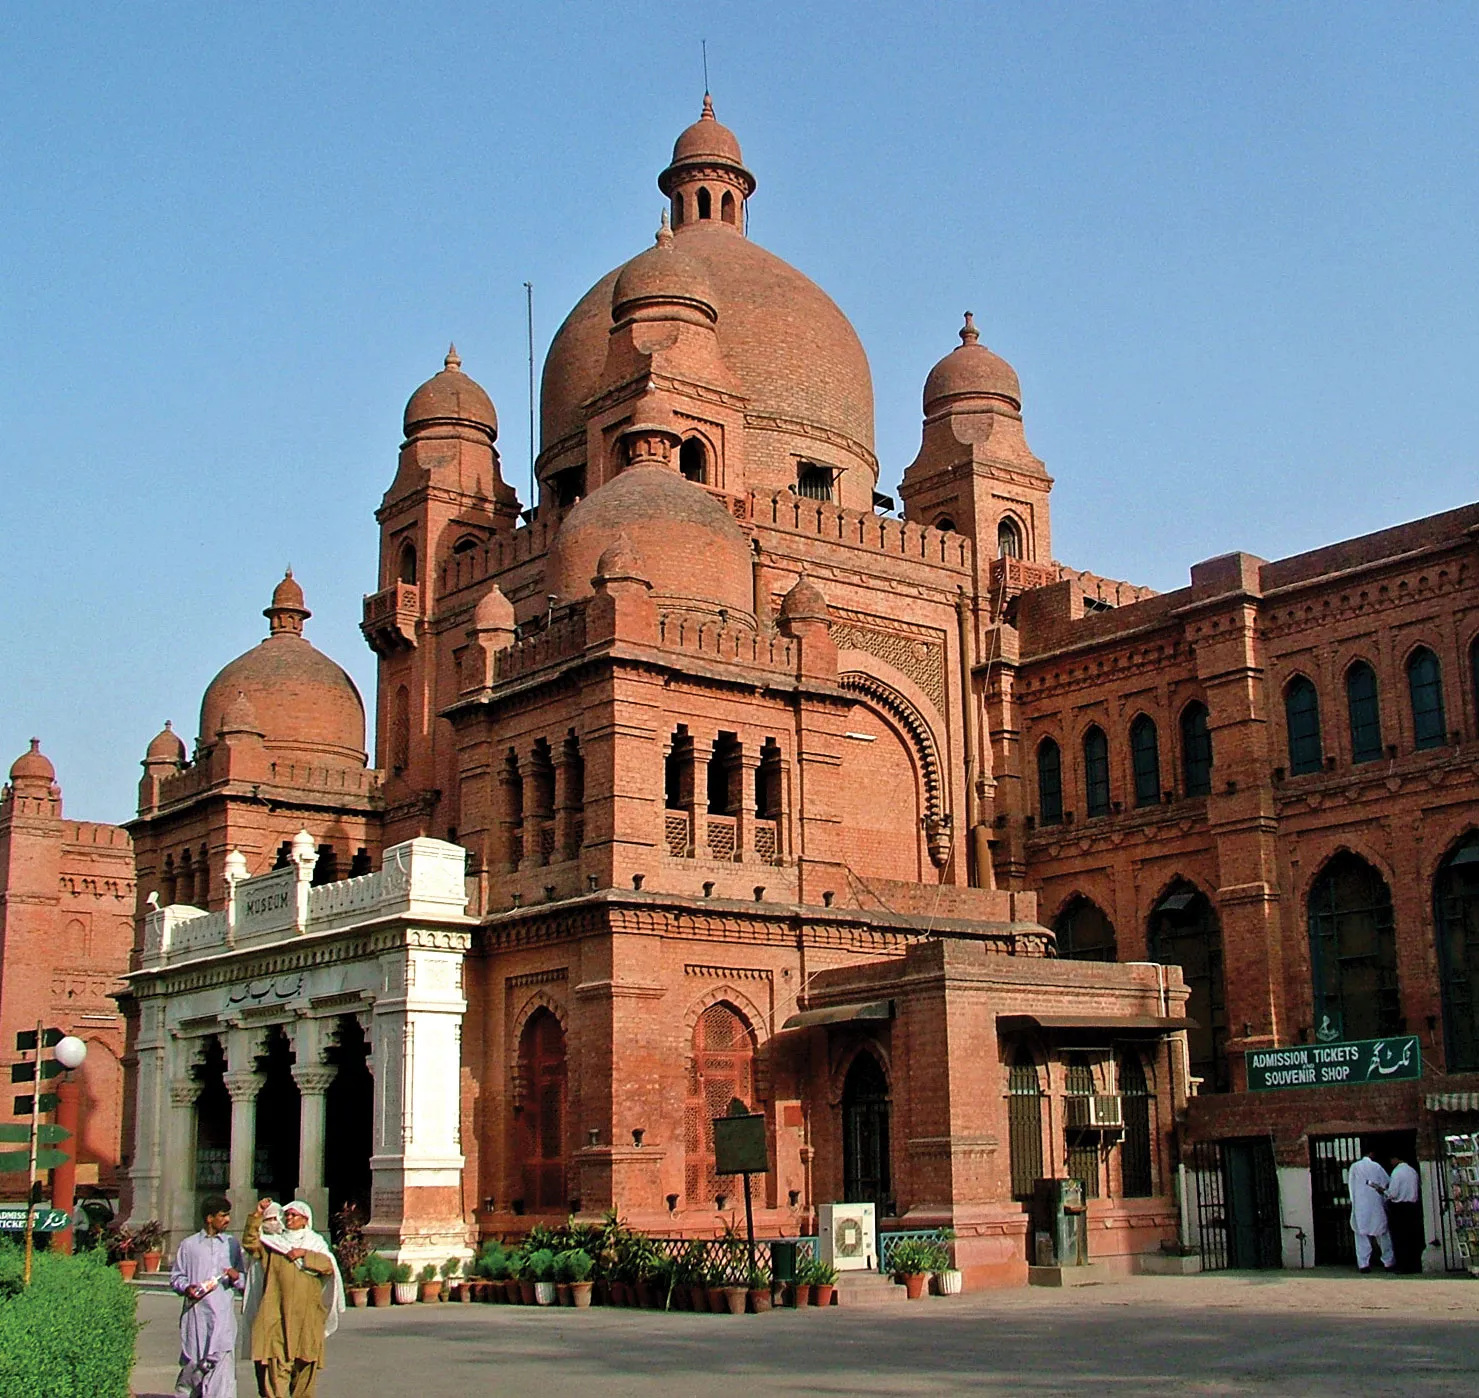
x: 208, y: 1272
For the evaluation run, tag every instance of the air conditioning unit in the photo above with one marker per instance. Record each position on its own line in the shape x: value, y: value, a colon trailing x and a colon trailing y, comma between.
x: 848, y: 1236
x: 1094, y: 1111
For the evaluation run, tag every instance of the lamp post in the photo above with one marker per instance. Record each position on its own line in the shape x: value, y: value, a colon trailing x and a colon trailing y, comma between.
x: 71, y: 1052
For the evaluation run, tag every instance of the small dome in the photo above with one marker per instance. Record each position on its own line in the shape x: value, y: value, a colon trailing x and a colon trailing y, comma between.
x: 494, y: 611
x: 804, y: 602
x: 449, y: 397
x: 971, y: 371
x: 287, y: 596
x: 620, y: 560
x: 298, y: 699
x: 694, y: 554
x: 165, y: 746
x: 33, y: 769
x: 664, y: 273
x: 707, y: 138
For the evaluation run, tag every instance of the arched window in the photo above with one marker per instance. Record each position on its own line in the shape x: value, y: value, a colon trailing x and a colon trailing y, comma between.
x: 1145, y: 759
x: 1084, y: 932
x: 1456, y: 910
x: 572, y: 797
x: 1183, y: 932
x: 1137, y: 1153
x: 1083, y: 1146
x: 705, y: 203
x: 511, y: 779
x: 1196, y: 750
x: 1365, y: 712
x: 725, y: 775
x: 768, y: 782
x: 539, y: 1107
x: 406, y: 567
x: 1096, y: 772
x: 466, y: 544
x: 945, y: 524
x: 1049, y: 782
x: 540, y: 815
x: 726, y: 207
x: 813, y: 482
x: 1008, y: 539
x: 693, y: 461
x: 1353, y: 952
x: 677, y: 211
x: 866, y: 1175
x: 1302, y: 718
x: 400, y: 730
x: 1425, y: 685
x: 722, y: 1067
x: 1024, y: 1123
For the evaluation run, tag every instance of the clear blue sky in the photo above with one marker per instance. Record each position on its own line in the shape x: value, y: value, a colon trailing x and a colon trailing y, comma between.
x: 1232, y: 251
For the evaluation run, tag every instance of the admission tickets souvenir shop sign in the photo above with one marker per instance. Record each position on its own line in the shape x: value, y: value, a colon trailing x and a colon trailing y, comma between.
x: 1344, y: 1064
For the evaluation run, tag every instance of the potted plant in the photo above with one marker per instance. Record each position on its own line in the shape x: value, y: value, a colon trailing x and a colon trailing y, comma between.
x: 449, y: 1270
x: 525, y: 1275
x: 149, y: 1244
x: 379, y: 1270
x: 403, y: 1289
x: 823, y: 1279
x: 759, y: 1290
x: 690, y: 1275
x: 351, y: 1250
x: 118, y: 1242
x: 914, y: 1260
x: 948, y: 1279
x: 801, y: 1287
x: 492, y: 1265
x: 541, y: 1267
x: 578, y: 1265
x: 431, y: 1288
x: 562, y: 1278
x: 358, y: 1289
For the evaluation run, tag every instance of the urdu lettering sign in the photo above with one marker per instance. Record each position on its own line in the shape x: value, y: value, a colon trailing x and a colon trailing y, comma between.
x: 1352, y: 1063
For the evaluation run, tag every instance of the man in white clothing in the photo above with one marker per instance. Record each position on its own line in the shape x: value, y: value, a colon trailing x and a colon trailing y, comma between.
x: 1368, y: 1185
x: 1405, y: 1216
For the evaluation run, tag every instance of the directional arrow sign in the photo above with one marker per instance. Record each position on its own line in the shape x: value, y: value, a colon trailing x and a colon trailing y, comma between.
x: 25, y: 1040
x: 23, y: 1104
x: 21, y: 1159
x: 29, y: 1072
x: 46, y: 1133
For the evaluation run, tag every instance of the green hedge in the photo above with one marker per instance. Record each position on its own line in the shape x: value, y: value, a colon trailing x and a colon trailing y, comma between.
x: 71, y: 1333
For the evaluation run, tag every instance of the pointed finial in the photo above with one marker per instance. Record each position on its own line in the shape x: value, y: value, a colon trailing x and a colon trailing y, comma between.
x: 708, y: 112
x: 664, y: 231
x: 969, y: 335
x: 168, y: 726
x: 35, y: 744
x: 453, y: 360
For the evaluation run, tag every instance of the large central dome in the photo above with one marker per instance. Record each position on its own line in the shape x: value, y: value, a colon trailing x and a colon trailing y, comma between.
x: 790, y: 348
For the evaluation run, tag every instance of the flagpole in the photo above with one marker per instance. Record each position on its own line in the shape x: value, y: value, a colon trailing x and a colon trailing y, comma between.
x: 31, y: 1171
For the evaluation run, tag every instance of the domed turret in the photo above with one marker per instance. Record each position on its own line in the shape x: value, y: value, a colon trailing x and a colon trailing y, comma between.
x: 804, y: 602
x: 971, y: 370
x: 299, y: 700
x: 620, y: 560
x: 32, y: 774
x: 165, y: 746
x: 448, y: 398
x: 693, y: 553
x: 665, y: 278
x: 707, y: 180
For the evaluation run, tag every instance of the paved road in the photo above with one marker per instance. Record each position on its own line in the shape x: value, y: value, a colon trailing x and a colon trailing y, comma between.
x: 1231, y: 1333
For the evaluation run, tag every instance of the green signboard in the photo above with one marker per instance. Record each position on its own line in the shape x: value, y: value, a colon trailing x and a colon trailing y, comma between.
x: 46, y: 1219
x: 1354, y: 1061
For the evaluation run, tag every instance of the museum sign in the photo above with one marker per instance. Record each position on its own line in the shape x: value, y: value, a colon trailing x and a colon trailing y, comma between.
x: 1344, y: 1064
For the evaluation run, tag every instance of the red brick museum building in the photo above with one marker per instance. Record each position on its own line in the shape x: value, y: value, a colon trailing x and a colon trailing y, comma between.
x: 913, y: 838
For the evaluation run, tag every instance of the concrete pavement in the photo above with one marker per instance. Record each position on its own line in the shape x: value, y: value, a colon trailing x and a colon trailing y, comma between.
x: 1309, y: 1333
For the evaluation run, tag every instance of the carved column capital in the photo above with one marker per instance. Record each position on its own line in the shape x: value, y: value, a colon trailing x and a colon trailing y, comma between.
x: 183, y: 1092
x: 313, y: 1079
x: 243, y: 1086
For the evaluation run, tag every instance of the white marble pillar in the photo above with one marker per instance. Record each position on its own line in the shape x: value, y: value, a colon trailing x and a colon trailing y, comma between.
x: 313, y: 1081
x: 177, y: 1194
x: 243, y: 1088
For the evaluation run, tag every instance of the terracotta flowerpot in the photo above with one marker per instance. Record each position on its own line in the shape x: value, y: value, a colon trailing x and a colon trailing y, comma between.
x: 513, y: 1291
x: 431, y: 1291
x: 914, y: 1284
x: 698, y: 1297
x: 526, y: 1293
x: 760, y: 1299
x: 821, y: 1294
x: 580, y: 1294
x: 128, y: 1266
x: 645, y: 1292
x: 468, y: 1292
x: 601, y: 1292
x: 800, y: 1294
x: 563, y: 1291
x: 621, y: 1293
x: 735, y: 1298
x: 358, y: 1295
x: 718, y: 1303
x: 380, y: 1294
x: 152, y: 1260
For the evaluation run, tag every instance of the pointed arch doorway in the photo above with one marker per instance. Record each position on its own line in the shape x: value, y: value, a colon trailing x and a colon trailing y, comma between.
x: 866, y: 1177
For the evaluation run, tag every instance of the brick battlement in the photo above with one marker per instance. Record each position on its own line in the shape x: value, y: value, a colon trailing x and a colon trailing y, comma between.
x: 738, y: 645
x: 496, y: 555
x: 294, y: 776
x: 854, y: 529
x: 91, y: 832
x: 563, y: 638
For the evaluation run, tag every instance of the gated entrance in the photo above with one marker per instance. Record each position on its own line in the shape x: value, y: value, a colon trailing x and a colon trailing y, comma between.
x: 865, y: 1153
x: 1237, y: 1204
x: 1330, y: 1159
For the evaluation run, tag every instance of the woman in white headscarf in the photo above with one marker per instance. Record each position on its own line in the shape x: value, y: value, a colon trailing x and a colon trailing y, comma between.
x: 301, y: 1298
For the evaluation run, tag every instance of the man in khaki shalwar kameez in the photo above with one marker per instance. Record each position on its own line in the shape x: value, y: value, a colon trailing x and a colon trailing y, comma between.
x: 300, y: 1301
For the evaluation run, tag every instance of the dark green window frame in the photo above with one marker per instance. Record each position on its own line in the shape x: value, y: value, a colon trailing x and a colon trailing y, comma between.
x: 1302, y: 716
x: 1365, y: 712
x: 1196, y: 750
x: 1145, y: 761
x: 1425, y: 686
x: 1096, y: 772
x: 1049, y: 782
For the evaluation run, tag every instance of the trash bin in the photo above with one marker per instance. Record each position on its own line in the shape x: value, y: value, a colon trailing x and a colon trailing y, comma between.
x: 1058, y: 1212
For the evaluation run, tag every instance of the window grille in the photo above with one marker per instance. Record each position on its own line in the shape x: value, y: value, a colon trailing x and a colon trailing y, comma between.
x: 1096, y: 772
x: 1083, y: 1147
x: 1425, y: 685
x: 1365, y: 712
x: 1302, y: 717
x: 1024, y: 1124
x: 1145, y: 758
x: 1049, y: 782
x: 1353, y: 952
x: 1184, y: 932
x: 675, y: 832
x: 1137, y: 1150
x: 814, y: 482
x: 1196, y: 751
x: 1084, y: 932
x: 1456, y: 903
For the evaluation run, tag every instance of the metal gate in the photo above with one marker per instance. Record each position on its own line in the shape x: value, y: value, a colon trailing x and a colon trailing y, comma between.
x: 1331, y: 1157
x: 1238, y: 1215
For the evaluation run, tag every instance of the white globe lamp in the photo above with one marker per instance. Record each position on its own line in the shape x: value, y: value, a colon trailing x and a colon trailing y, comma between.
x: 70, y: 1052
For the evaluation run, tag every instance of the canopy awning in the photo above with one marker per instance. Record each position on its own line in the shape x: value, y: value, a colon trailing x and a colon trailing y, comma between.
x: 1453, y: 1101
x: 1071, y: 1025
x: 841, y: 1014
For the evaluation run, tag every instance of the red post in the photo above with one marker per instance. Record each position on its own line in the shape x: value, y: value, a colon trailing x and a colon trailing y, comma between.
x: 64, y: 1177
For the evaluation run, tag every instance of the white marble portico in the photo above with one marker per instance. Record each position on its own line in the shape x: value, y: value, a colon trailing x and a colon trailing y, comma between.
x: 386, y: 948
